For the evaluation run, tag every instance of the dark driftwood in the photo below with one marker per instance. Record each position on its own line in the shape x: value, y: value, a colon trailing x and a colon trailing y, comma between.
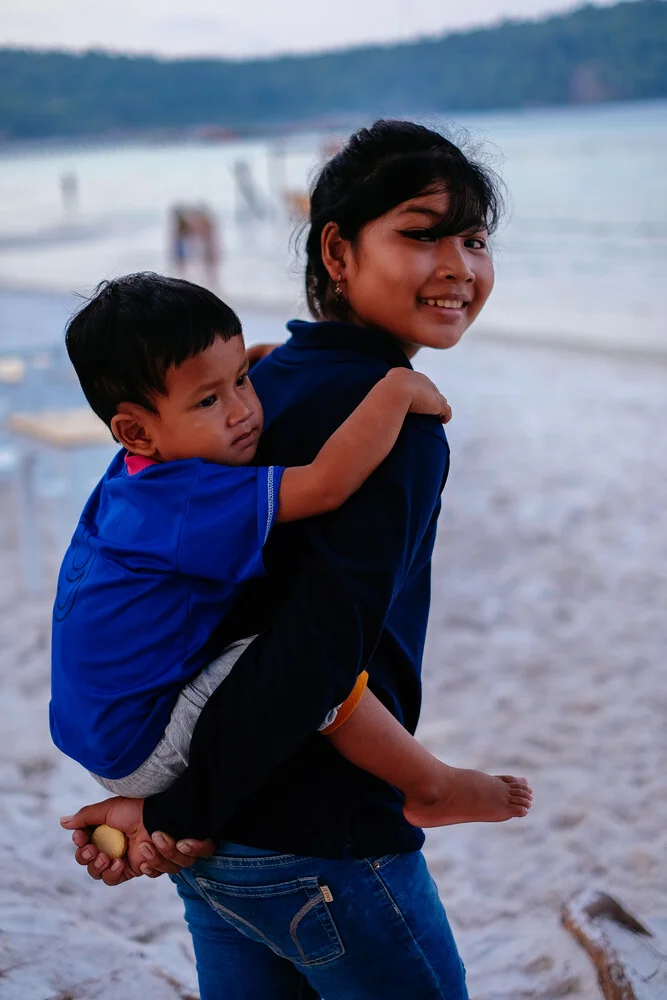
x: 631, y: 960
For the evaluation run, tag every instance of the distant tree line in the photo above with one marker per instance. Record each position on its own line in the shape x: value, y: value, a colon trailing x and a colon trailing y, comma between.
x: 592, y: 54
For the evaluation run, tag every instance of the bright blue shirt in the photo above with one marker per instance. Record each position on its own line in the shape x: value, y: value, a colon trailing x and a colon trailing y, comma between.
x: 157, y: 559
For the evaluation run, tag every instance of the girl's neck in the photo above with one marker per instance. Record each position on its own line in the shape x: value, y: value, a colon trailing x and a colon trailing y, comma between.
x: 408, y: 349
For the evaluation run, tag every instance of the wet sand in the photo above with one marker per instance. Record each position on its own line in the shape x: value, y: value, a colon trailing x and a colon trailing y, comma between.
x: 545, y: 657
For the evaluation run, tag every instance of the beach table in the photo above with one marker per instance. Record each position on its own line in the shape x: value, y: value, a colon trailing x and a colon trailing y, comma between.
x: 12, y: 370
x: 12, y: 374
x: 65, y: 436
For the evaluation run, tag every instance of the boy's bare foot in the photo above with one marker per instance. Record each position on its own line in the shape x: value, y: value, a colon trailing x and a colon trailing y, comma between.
x: 466, y: 796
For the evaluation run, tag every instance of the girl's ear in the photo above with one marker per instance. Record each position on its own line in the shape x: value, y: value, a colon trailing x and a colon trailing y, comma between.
x: 334, y: 251
x: 132, y: 427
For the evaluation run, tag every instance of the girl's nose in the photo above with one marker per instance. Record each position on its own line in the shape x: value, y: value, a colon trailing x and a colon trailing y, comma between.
x: 453, y: 264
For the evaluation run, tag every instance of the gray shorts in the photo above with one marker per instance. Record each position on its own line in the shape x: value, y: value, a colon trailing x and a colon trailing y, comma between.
x: 170, y: 757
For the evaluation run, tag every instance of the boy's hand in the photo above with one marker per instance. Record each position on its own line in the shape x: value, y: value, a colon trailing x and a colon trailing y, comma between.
x: 425, y: 395
x: 145, y: 856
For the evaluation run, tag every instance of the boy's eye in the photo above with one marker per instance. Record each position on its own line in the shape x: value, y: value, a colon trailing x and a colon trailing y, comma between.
x: 476, y: 243
x: 206, y: 402
x: 242, y: 380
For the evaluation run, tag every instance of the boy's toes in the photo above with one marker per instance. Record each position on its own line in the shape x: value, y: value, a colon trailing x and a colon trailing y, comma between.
x: 518, y: 789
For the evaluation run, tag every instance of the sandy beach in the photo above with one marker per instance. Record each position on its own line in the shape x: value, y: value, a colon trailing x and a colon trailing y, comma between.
x: 545, y: 657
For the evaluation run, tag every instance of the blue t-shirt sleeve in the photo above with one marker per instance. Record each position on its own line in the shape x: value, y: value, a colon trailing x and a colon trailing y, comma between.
x: 229, y: 513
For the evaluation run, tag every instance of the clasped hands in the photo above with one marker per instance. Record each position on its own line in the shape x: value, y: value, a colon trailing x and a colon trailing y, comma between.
x: 146, y: 855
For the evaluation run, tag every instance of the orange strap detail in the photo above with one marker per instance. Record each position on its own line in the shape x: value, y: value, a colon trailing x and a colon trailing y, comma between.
x: 349, y: 705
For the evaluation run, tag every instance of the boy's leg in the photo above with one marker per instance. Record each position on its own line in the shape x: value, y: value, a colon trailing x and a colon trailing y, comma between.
x: 435, y: 793
x: 370, y: 929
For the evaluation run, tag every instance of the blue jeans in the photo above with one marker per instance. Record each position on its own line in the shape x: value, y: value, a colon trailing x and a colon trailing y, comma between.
x: 271, y: 926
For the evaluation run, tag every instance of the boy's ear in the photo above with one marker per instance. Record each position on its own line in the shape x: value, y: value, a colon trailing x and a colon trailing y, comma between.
x: 132, y: 427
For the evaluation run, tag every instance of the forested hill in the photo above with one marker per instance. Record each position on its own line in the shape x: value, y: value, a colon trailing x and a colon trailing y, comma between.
x: 591, y: 54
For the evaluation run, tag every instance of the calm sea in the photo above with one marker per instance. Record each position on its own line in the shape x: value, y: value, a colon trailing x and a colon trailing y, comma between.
x: 582, y: 256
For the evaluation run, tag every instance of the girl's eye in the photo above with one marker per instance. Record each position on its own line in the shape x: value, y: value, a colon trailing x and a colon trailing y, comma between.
x: 476, y: 243
x: 207, y: 402
x: 420, y: 235
x: 241, y: 381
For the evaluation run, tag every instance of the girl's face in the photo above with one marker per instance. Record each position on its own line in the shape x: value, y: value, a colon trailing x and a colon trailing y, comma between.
x: 424, y: 290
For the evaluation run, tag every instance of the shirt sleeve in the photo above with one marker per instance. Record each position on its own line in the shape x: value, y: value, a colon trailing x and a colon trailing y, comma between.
x: 353, y: 563
x: 227, y: 519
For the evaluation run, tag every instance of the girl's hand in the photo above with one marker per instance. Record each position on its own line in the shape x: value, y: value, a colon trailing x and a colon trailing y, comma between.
x: 145, y: 856
x: 424, y: 395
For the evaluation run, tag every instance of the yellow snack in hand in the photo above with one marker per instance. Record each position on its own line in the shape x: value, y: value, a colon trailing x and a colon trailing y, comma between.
x: 111, y: 842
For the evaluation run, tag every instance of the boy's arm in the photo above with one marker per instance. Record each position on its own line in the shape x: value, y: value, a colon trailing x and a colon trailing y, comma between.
x: 359, y: 445
x: 256, y: 352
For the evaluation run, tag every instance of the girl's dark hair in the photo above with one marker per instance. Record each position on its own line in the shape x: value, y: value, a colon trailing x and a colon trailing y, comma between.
x: 133, y: 329
x: 377, y: 169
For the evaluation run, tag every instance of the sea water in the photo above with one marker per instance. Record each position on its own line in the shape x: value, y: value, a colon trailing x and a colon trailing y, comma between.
x: 581, y: 257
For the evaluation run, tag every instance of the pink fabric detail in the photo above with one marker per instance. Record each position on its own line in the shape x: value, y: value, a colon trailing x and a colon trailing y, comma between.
x: 135, y: 463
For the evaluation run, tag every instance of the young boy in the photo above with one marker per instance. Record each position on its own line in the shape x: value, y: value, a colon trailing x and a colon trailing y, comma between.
x: 177, y: 526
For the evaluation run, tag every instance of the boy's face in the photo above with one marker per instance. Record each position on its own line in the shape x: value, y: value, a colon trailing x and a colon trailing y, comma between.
x: 210, y: 410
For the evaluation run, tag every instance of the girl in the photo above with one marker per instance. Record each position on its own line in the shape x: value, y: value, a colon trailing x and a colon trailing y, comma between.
x: 318, y: 887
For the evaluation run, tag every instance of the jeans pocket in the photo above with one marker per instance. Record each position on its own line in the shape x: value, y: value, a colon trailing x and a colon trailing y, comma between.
x: 291, y: 918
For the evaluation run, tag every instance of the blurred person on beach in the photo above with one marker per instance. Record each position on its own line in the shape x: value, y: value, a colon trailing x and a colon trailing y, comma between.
x: 318, y: 886
x: 194, y: 235
x: 207, y: 230
x: 69, y: 189
x: 250, y: 205
x: 180, y: 248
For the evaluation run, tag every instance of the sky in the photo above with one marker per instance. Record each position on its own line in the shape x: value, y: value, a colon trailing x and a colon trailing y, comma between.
x: 247, y: 27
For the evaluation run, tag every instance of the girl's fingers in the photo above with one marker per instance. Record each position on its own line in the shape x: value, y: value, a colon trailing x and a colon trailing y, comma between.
x: 116, y: 876
x: 92, y: 815
x: 86, y: 855
x: 150, y: 872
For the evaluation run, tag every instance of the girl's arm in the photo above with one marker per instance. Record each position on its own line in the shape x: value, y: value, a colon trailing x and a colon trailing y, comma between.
x: 359, y: 445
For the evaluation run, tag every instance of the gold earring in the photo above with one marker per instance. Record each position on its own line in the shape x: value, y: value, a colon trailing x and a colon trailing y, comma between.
x: 338, y: 290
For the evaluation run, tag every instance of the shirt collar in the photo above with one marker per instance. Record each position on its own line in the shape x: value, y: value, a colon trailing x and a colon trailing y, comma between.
x: 137, y: 463
x: 334, y: 334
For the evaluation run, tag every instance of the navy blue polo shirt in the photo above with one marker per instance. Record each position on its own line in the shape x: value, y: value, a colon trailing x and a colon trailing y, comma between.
x: 346, y: 591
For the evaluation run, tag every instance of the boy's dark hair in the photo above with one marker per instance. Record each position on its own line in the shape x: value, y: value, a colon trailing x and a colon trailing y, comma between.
x: 379, y: 168
x: 133, y: 329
